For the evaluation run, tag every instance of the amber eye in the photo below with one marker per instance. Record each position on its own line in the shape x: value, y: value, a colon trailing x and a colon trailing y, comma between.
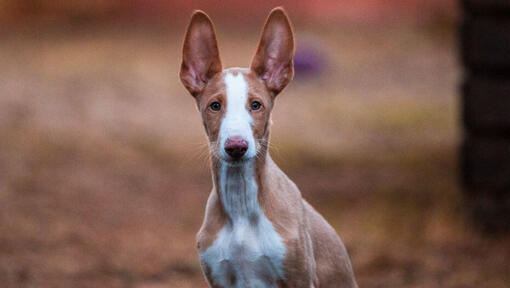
x: 215, y: 106
x: 255, y: 105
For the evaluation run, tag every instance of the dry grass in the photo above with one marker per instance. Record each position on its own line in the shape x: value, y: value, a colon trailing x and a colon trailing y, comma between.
x: 104, y: 174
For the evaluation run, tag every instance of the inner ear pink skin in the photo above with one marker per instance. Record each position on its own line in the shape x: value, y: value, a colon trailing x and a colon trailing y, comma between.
x: 200, y: 55
x: 273, y: 60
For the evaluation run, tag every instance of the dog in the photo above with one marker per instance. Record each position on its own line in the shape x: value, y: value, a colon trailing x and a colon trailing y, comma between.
x: 258, y: 231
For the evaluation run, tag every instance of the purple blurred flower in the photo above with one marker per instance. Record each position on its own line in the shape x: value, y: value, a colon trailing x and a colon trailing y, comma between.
x: 309, y: 60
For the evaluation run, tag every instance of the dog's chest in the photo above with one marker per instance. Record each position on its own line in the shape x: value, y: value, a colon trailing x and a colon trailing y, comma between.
x: 247, y: 252
x: 246, y: 255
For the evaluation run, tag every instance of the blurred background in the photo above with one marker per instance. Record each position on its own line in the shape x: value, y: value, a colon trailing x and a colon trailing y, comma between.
x: 104, y: 164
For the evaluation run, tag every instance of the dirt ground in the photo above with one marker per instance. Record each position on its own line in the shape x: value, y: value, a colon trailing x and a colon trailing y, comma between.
x: 104, y: 171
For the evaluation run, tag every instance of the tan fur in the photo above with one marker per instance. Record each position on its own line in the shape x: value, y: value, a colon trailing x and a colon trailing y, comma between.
x: 315, y: 255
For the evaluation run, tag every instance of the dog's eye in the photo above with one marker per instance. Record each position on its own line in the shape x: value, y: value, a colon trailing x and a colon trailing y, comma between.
x: 255, y: 105
x: 215, y: 106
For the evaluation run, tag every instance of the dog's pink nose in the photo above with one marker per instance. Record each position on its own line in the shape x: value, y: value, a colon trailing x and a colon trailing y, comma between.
x: 236, y: 147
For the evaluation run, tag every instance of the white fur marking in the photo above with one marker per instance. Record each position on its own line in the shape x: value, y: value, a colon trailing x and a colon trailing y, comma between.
x: 247, y: 252
x: 237, y: 120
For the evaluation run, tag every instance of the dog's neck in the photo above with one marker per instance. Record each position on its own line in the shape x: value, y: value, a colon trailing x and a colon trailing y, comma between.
x: 238, y: 188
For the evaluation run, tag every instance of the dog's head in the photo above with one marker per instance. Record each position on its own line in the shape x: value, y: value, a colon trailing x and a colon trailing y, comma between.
x: 236, y: 103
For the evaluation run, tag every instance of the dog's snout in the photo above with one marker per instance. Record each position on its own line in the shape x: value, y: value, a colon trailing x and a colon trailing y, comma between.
x: 236, y: 147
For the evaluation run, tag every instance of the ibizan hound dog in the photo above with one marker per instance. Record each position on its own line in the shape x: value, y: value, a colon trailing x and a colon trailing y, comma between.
x: 258, y: 231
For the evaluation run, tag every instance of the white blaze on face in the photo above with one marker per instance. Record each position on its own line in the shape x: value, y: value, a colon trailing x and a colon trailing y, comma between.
x: 237, y: 120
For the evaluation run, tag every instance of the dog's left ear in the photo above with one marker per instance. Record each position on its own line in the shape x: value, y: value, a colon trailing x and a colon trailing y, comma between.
x: 273, y: 60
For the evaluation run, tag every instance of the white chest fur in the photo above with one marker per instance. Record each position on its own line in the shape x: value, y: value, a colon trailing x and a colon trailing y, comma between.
x: 247, y: 252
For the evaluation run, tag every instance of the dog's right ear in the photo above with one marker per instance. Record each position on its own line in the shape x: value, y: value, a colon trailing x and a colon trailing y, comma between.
x: 273, y: 60
x: 200, y: 55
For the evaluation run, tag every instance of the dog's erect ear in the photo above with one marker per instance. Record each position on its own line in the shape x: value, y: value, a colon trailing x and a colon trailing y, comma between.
x: 273, y: 60
x: 200, y: 55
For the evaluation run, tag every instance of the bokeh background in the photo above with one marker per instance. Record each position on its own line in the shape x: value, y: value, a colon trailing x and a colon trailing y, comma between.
x: 104, y: 165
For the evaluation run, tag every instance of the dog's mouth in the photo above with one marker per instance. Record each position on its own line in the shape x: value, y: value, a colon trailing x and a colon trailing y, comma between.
x: 235, y: 162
